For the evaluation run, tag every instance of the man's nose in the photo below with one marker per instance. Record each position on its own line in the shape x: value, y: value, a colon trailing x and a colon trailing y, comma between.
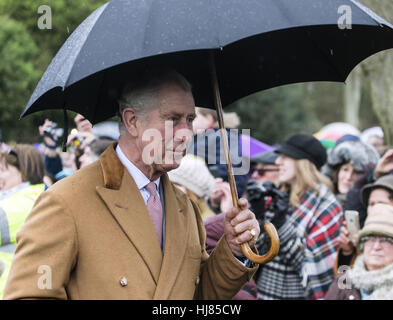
x: 182, y: 134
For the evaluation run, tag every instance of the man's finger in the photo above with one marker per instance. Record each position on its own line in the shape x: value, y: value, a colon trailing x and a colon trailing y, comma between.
x: 243, y: 204
x: 247, y: 236
x: 231, y: 215
x: 242, y: 216
x: 244, y: 226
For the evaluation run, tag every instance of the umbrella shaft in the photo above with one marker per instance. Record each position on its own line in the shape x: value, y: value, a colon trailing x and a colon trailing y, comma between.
x: 224, y: 137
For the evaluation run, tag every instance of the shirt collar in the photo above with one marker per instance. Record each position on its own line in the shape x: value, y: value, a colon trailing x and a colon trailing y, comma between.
x: 140, y: 179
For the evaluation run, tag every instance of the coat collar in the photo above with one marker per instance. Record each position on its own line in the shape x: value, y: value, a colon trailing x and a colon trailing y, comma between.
x: 124, y: 201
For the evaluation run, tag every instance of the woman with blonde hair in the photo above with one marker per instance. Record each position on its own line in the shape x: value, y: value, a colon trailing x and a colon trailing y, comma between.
x: 303, y: 268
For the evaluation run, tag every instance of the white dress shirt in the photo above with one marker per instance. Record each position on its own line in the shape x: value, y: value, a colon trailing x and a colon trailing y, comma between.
x: 140, y: 179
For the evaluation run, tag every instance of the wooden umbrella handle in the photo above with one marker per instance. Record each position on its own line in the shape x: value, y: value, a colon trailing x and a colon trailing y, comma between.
x: 274, y: 247
x: 270, y: 229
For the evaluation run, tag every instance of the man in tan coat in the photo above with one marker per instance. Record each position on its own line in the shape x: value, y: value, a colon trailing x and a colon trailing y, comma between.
x: 91, y: 235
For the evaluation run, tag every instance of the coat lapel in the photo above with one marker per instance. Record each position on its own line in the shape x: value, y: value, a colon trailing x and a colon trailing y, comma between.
x: 175, y: 239
x: 123, y: 199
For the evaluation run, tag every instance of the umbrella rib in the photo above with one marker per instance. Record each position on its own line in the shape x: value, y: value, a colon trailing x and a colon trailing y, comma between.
x: 379, y: 20
x: 104, y: 7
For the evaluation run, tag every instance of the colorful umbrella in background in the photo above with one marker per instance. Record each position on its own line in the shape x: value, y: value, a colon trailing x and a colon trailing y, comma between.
x: 329, y: 134
x: 328, y: 139
x: 342, y: 128
x: 252, y: 146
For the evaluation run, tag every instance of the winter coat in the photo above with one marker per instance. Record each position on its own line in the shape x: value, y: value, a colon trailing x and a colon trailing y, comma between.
x: 378, y: 284
x: 335, y: 293
x: 214, y: 230
x: 303, y: 268
x: 90, y: 236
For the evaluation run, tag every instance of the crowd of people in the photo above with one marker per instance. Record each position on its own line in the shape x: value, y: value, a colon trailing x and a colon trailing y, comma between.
x: 302, y: 187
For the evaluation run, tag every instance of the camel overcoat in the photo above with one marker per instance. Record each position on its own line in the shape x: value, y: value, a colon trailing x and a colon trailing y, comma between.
x: 90, y: 236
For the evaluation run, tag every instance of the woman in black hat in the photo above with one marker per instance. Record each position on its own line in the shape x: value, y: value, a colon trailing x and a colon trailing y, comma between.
x: 303, y: 269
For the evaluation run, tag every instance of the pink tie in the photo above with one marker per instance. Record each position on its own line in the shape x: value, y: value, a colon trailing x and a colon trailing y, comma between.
x: 155, y: 209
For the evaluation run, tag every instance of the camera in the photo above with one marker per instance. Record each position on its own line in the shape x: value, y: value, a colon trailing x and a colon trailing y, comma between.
x: 77, y: 140
x: 268, y: 203
x: 53, y: 132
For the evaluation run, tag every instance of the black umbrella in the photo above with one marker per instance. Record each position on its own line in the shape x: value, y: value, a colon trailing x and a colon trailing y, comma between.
x: 237, y: 46
x: 258, y: 44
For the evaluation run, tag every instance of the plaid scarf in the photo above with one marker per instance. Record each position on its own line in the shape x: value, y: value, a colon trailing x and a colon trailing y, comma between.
x: 303, y: 268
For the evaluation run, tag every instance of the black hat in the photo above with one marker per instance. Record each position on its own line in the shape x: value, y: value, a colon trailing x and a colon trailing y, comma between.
x: 268, y: 157
x: 303, y: 146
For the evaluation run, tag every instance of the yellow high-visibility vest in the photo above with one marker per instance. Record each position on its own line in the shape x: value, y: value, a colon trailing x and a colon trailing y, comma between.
x: 13, y: 211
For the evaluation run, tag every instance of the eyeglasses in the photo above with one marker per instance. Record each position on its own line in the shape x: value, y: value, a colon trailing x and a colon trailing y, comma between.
x: 383, y: 241
x: 261, y: 172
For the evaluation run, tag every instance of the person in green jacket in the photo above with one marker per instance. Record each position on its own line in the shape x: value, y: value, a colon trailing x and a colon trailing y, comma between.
x: 21, y: 182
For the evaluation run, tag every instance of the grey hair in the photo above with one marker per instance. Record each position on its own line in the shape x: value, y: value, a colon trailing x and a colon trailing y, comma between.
x: 141, y: 94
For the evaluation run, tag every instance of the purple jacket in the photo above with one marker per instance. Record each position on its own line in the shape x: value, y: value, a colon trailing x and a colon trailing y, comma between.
x: 335, y: 293
x: 214, y: 230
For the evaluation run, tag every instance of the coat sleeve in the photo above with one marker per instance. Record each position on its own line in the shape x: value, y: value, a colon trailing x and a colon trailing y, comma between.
x: 222, y: 275
x: 46, y: 252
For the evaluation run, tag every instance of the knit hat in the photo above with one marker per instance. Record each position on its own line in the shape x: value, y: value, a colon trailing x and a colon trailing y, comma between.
x: 194, y: 175
x: 385, y: 182
x: 357, y: 153
x: 379, y: 221
x: 303, y: 146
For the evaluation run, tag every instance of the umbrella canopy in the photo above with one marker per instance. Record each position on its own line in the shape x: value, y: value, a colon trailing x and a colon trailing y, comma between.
x: 252, y: 146
x: 259, y: 44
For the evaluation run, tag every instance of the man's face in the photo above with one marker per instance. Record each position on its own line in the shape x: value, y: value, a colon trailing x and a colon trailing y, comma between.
x: 87, y: 157
x: 265, y: 172
x: 163, y: 137
x: 379, y: 195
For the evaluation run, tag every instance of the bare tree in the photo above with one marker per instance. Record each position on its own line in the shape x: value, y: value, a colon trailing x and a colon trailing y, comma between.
x: 352, y: 96
x: 378, y: 73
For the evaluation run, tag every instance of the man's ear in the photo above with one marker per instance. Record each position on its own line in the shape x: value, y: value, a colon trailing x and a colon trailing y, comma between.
x: 130, y: 121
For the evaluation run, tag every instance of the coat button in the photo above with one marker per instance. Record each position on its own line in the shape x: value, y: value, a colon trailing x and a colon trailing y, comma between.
x: 197, y: 280
x: 123, y: 281
x: 351, y: 297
